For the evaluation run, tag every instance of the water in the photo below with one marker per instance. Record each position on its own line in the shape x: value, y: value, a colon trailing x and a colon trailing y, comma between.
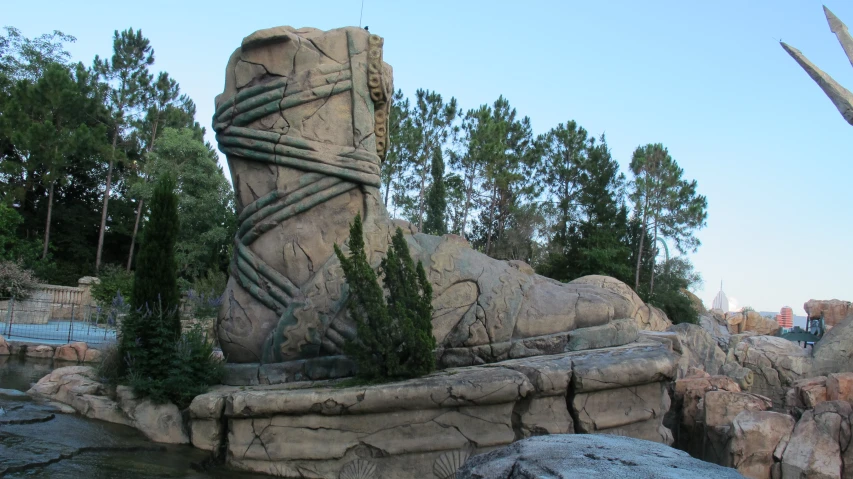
x: 38, y: 442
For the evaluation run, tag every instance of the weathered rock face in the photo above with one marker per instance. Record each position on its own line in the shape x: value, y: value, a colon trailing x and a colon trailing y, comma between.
x: 833, y: 310
x: 78, y: 387
x: 699, y: 349
x: 819, y: 445
x: 775, y: 362
x: 755, y: 435
x: 303, y: 122
x: 589, y: 456
x: 432, y: 424
x: 834, y: 352
x: 4, y: 346
x: 753, y: 322
x: 714, y: 323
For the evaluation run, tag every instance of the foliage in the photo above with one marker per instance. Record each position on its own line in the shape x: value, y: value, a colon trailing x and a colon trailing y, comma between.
x: 205, y: 200
x: 395, y: 338
x: 114, y: 282
x: 674, y: 277
x: 148, y: 333
x: 665, y: 202
x: 12, y: 246
x: 436, y: 200
x: 15, y: 281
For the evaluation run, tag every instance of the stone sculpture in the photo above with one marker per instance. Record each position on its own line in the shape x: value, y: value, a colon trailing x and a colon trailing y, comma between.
x: 840, y: 96
x: 303, y: 122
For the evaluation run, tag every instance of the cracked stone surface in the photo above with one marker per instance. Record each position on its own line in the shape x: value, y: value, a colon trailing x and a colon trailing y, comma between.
x: 775, y: 362
x: 413, y: 427
x: 303, y: 123
x: 583, y: 455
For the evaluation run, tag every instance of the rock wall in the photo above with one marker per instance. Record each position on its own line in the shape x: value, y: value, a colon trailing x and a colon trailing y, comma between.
x: 833, y: 310
x: 429, y: 425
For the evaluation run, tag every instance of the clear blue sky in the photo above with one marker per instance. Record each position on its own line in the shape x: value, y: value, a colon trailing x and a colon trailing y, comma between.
x: 707, y: 79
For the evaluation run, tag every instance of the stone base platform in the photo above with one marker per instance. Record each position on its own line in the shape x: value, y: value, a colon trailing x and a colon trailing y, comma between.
x: 427, y: 427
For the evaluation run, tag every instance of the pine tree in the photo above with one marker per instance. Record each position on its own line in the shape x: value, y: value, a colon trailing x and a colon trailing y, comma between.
x: 436, y: 222
x: 395, y: 339
x: 149, y: 333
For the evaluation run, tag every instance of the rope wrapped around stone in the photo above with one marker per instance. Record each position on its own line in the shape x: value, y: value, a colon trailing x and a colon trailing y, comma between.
x: 330, y: 171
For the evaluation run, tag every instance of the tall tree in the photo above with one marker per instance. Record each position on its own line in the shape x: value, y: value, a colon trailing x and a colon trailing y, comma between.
x: 472, y: 160
x: 402, y: 136
x: 128, y: 78
x: 436, y: 200
x: 509, y: 148
x: 666, y: 204
x: 432, y: 119
x: 205, y: 200
x: 50, y: 119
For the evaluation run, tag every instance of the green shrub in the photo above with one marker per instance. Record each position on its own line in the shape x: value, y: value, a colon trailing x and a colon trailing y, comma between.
x: 114, y: 280
x: 156, y: 359
x: 395, y: 337
x: 15, y: 281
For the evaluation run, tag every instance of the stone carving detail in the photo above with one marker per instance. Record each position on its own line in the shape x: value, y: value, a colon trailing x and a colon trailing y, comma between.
x: 446, y: 465
x: 358, y: 469
x: 303, y: 122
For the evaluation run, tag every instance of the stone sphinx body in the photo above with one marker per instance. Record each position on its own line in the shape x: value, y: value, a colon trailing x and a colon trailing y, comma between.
x: 303, y: 121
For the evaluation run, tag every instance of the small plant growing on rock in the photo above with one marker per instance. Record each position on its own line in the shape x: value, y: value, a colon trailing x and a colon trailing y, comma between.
x: 395, y: 333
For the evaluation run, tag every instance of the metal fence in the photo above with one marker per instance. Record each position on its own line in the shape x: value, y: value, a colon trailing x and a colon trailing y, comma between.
x: 53, y: 322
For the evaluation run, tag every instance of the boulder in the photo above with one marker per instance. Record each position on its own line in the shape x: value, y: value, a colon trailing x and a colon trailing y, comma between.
x: 689, y: 392
x: 648, y: 317
x: 720, y: 409
x: 581, y: 455
x: 78, y: 387
x: 714, y: 322
x: 4, y: 347
x: 754, y: 436
x: 40, y: 351
x: 75, y: 352
x: 839, y: 387
x: 751, y: 321
x: 742, y: 376
x: 834, y: 352
x: 775, y: 362
x: 833, y: 310
x: 158, y: 422
x: 698, y: 349
x: 92, y: 356
x: 814, y: 450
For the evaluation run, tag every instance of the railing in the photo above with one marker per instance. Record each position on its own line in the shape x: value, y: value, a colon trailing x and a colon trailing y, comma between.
x: 41, y: 319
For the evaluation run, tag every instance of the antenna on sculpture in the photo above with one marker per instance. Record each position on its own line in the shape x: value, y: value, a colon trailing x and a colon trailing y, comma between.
x: 361, y: 14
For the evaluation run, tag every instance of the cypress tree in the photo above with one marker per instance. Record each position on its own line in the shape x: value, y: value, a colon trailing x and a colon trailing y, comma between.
x: 149, y: 333
x: 436, y: 200
x: 395, y: 339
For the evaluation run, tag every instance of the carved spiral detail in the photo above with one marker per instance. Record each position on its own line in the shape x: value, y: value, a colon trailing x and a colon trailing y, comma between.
x: 378, y: 93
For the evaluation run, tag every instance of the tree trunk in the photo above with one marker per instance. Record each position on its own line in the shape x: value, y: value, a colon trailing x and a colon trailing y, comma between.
x: 491, y: 221
x: 47, y: 223
x: 421, y: 201
x: 106, y: 203
x: 469, y: 190
x: 133, y: 238
x: 640, y: 252
x: 388, y: 190
x: 654, y: 258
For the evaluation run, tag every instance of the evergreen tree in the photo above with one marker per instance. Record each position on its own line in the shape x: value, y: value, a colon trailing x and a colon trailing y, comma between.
x: 666, y: 203
x: 436, y: 209
x: 149, y: 333
x: 128, y: 79
x: 394, y: 340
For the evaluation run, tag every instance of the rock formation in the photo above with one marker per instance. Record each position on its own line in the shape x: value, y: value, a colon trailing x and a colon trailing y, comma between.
x: 840, y: 96
x: 589, y: 456
x: 833, y: 310
x: 303, y: 122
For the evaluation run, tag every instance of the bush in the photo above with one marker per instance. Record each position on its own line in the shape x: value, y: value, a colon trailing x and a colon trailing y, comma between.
x: 15, y: 281
x: 189, y: 370
x: 205, y: 297
x: 395, y: 338
x: 157, y: 360
x: 114, y: 281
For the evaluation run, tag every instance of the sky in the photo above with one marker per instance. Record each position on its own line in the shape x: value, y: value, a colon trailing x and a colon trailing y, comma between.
x: 707, y: 79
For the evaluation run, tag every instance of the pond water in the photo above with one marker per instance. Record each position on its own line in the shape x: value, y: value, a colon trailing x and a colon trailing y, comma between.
x: 39, y: 442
